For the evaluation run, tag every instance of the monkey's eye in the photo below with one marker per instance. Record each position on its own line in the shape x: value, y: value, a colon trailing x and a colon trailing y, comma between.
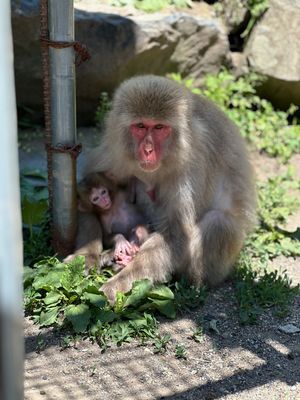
x: 159, y: 126
x: 103, y: 192
x: 140, y: 125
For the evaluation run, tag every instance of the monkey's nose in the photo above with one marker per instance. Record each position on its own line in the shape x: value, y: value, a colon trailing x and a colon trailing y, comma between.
x: 148, y: 149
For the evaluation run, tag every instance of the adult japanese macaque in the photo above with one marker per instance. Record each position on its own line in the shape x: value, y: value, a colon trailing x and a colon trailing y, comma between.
x: 197, y: 181
x: 124, y: 227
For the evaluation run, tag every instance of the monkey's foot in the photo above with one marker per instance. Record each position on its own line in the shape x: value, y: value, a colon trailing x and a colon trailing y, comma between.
x: 114, y: 285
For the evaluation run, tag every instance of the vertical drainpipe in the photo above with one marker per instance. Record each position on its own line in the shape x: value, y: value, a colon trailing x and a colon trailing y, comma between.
x: 63, y: 123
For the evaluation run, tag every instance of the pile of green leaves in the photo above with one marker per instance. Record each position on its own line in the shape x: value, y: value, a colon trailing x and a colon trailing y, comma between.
x: 58, y: 294
x: 268, y: 130
x: 150, y: 6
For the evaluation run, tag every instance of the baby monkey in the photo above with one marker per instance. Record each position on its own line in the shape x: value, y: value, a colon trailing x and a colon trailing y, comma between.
x: 123, y: 225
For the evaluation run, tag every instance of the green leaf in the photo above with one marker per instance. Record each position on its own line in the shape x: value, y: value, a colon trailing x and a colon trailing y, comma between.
x: 165, y: 307
x: 161, y: 292
x: 121, y: 332
x: 105, y: 315
x: 73, y: 276
x: 139, y: 291
x: 97, y: 300
x: 79, y: 316
x: 51, y: 280
x: 52, y: 298
x: 87, y: 286
x: 49, y: 317
x: 28, y: 275
x: 120, y: 301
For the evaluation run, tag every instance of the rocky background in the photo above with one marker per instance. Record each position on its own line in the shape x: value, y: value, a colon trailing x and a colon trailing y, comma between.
x: 195, y: 41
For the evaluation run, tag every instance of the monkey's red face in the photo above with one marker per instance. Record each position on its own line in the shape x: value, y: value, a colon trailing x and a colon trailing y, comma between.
x: 151, y: 138
x: 100, y: 197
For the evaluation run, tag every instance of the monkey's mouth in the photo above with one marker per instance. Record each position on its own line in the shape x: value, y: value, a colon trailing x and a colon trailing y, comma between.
x: 107, y: 205
x: 149, y: 166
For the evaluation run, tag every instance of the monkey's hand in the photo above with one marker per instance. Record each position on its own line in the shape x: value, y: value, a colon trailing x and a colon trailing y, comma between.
x: 123, y: 247
x: 151, y: 262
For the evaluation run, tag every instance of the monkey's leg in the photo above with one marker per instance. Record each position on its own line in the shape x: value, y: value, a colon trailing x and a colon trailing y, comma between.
x: 221, y: 236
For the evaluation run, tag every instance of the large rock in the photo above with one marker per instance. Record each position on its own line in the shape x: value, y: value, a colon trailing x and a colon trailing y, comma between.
x: 120, y: 47
x: 274, y: 50
x: 235, y: 14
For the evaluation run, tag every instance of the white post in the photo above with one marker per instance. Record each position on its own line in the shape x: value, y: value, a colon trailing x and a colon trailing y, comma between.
x: 63, y: 122
x: 11, y: 257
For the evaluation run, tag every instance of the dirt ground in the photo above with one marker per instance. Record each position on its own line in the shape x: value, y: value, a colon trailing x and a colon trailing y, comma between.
x: 256, y: 362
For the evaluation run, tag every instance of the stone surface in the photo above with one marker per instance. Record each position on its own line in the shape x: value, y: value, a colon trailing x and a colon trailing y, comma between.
x: 274, y: 50
x: 121, y: 46
x: 289, y: 328
x: 235, y: 14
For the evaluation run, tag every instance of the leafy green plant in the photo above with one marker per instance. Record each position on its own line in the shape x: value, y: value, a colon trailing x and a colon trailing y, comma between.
x: 180, y: 352
x: 35, y: 218
x: 276, y: 204
x: 150, y: 6
x: 268, y: 130
x: 160, y: 344
x: 256, y: 291
x: 58, y: 294
x: 198, y: 334
x: 188, y: 297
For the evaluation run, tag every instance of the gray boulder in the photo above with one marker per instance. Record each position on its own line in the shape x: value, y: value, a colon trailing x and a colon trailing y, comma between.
x: 120, y: 47
x: 235, y: 14
x: 274, y: 50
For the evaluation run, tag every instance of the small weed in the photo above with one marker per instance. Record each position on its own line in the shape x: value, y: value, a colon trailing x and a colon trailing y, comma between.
x: 160, y: 344
x: 40, y: 343
x: 198, y: 334
x: 93, y: 370
x: 188, y: 297
x: 180, y: 352
x: 66, y: 342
